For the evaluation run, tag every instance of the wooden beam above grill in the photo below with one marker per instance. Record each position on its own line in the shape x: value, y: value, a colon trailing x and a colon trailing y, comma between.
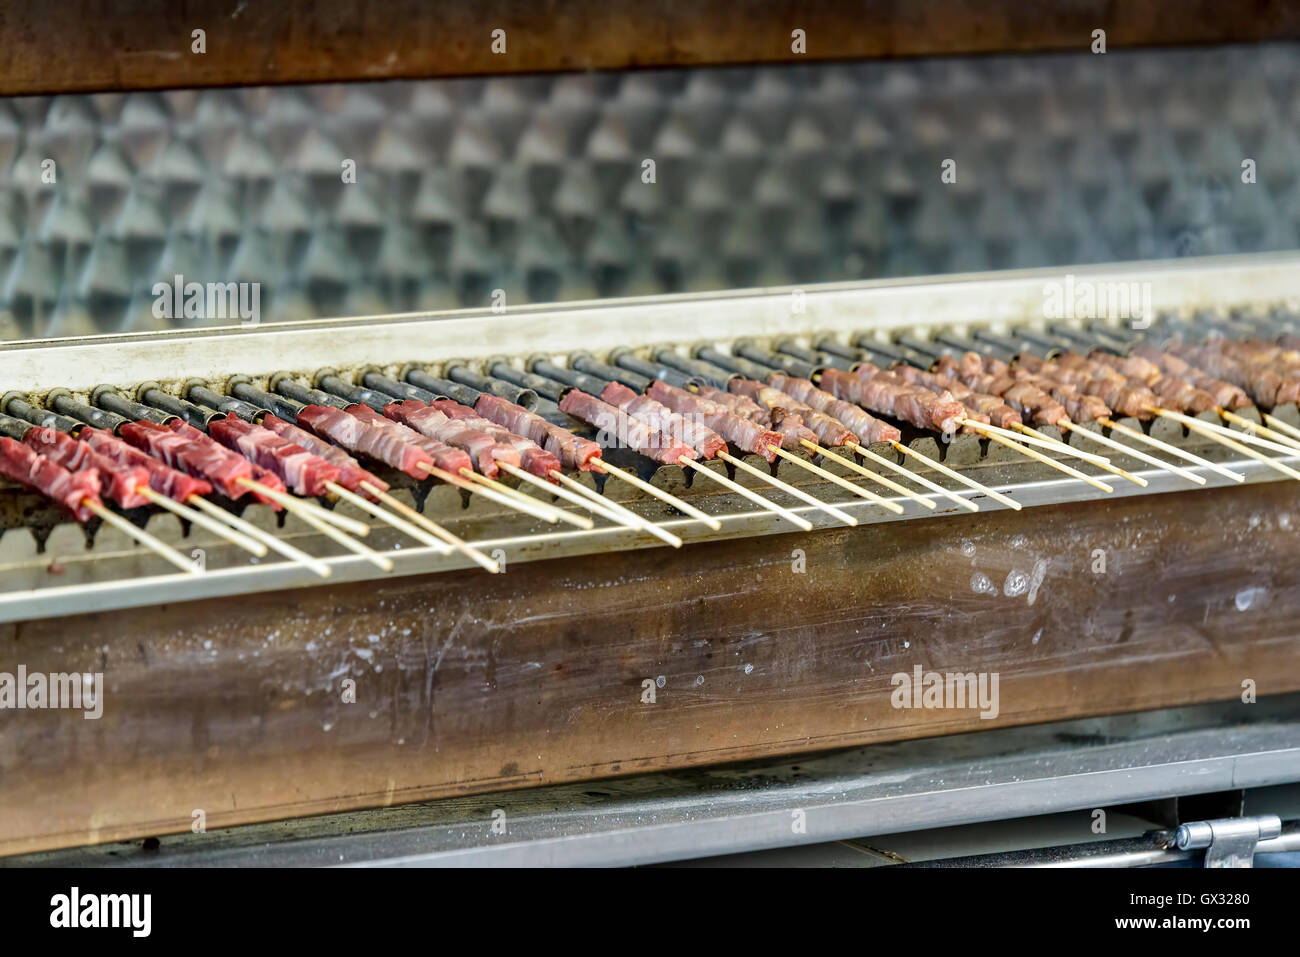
x: 88, y: 45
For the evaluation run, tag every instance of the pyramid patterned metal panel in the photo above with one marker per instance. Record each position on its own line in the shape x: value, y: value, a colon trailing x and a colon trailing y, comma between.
x: 537, y: 185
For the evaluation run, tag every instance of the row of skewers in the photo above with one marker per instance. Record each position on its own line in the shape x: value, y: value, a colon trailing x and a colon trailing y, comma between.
x: 302, y: 448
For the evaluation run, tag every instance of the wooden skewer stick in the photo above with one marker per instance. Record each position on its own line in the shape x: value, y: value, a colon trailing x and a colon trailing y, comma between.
x: 266, y: 538
x: 617, y: 512
x: 1174, y: 450
x: 1216, y: 433
x: 301, y: 506
x: 538, y: 510
x: 1108, y: 466
x: 658, y: 493
x: 751, y: 495
x: 1251, y: 438
x: 564, y: 489
x: 559, y: 491
x: 1027, y: 436
x: 1223, y: 431
x: 1263, y: 430
x: 161, y: 549
x: 294, y: 506
x: 558, y: 514
x: 874, y: 476
x: 1281, y: 426
x: 952, y: 473
x: 1060, y: 466
x: 1136, y: 453
x: 459, y: 544
x: 349, y: 525
x: 491, y: 494
x: 201, y: 520
x: 947, y: 493
x: 838, y: 480
x: 401, y: 524
x: 803, y: 496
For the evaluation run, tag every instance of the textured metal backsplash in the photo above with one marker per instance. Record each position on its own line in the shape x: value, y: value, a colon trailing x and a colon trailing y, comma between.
x: 536, y: 186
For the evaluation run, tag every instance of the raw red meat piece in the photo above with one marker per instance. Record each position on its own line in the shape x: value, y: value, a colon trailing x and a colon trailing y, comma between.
x: 163, y: 479
x: 72, y: 490
x: 118, y: 482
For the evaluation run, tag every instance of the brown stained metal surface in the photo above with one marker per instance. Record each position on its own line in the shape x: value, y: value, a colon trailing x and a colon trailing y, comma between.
x: 86, y: 45
x: 466, y: 682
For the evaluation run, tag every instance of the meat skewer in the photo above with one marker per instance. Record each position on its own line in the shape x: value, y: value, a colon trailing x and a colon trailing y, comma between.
x: 1268, y: 370
x: 1225, y: 394
x: 77, y: 492
x: 745, y: 406
x: 1249, y: 361
x: 1011, y: 422
x: 169, y: 437
x: 243, y: 421
x: 1267, y: 386
x: 154, y: 482
x: 175, y: 485
x: 1233, y: 373
x: 1131, y: 394
x: 447, y: 420
x: 937, y: 411
x: 510, y: 406
x: 998, y: 412
x: 1076, y: 392
x: 981, y: 423
x: 500, y: 408
x: 1148, y: 404
x: 981, y: 410
x: 127, y: 484
x: 750, y: 436
x: 614, y: 386
x: 1049, y: 400
x: 569, y: 389
x: 1140, y: 436
x: 357, y: 425
x: 710, y: 444
x: 736, y: 413
x: 1027, y: 394
x: 791, y: 436
x: 356, y: 435
x: 933, y: 411
x: 1171, y: 382
x: 757, y: 372
x: 172, y: 439
x: 635, y: 434
x: 453, y: 463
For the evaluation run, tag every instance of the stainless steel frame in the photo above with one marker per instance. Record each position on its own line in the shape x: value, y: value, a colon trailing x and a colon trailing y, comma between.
x: 98, y: 581
x: 991, y: 299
